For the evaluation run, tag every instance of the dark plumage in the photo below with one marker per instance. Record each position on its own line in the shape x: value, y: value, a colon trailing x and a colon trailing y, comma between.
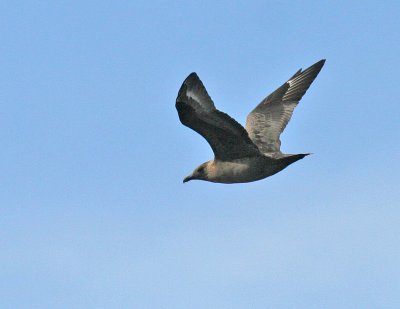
x: 243, y: 155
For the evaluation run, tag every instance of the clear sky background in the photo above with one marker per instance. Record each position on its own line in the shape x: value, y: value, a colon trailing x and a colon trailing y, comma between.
x: 93, y: 212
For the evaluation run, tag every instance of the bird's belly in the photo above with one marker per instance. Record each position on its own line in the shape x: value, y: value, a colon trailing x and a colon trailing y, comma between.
x: 245, y: 170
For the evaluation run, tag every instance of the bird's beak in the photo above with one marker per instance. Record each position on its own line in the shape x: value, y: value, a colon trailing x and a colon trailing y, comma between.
x: 188, y: 178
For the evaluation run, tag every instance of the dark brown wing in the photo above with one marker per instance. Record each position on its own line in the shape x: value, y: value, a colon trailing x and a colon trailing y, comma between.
x: 227, y: 138
x: 268, y: 120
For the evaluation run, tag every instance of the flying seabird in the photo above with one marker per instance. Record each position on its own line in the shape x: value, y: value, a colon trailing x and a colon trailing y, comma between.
x: 243, y: 155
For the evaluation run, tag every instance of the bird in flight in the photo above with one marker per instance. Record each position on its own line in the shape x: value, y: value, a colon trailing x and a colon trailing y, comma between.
x: 243, y: 155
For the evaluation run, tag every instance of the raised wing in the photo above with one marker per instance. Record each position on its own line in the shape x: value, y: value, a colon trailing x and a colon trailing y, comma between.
x: 267, y: 121
x: 227, y: 138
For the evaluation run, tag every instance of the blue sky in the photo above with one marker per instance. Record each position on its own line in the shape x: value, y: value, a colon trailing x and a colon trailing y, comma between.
x: 93, y: 212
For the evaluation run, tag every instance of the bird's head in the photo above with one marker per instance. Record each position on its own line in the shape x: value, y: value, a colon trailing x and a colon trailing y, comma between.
x: 200, y: 173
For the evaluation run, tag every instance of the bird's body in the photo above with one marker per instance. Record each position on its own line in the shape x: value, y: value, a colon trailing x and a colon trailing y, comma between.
x: 243, y: 155
x: 246, y: 169
x: 236, y: 171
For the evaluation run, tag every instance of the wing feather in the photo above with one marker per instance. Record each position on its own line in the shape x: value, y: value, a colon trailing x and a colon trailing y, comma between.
x: 196, y: 110
x: 268, y: 120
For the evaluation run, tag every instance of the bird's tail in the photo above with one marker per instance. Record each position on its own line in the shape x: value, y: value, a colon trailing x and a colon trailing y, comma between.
x: 293, y: 158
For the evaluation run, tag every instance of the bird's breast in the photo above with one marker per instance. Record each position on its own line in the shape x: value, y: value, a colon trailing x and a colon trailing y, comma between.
x: 242, y: 170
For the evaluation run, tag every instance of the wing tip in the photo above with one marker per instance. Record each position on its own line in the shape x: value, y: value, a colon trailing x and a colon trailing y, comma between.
x: 189, y: 80
x: 193, y: 74
x: 319, y: 64
x: 191, y: 77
